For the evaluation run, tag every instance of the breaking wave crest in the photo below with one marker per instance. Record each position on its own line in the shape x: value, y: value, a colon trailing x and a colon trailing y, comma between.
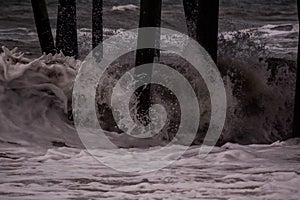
x: 36, y: 94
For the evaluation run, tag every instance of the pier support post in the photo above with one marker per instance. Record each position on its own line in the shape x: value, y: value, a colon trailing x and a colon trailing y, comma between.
x: 43, y: 26
x: 66, y: 35
x: 97, y: 22
x: 150, y: 16
x: 202, y: 18
x: 296, y: 125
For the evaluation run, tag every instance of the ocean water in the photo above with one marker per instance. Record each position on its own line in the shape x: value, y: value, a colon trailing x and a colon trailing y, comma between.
x: 234, y: 15
x: 43, y: 157
x: 229, y: 172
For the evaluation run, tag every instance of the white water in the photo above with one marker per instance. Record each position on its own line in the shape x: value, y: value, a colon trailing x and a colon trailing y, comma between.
x: 125, y: 7
x: 230, y: 172
x: 34, y: 95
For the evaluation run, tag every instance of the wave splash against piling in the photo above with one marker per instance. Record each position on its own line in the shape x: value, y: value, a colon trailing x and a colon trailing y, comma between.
x: 259, y: 77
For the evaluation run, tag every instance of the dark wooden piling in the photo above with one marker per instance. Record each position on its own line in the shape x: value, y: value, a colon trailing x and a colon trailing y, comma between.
x: 202, y: 18
x: 296, y: 126
x: 43, y: 26
x: 97, y: 22
x: 150, y: 16
x: 191, y: 16
x: 66, y: 35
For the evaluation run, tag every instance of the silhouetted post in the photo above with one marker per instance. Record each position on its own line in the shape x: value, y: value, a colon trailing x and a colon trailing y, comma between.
x: 191, y: 16
x: 97, y: 22
x: 66, y: 35
x: 202, y: 18
x: 43, y: 26
x: 296, y: 128
x: 150, y: 16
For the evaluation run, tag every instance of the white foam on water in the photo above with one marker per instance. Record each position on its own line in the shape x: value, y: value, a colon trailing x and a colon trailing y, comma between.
x: 229, y: 172
x: 275, y: 38
x: 125, y: 7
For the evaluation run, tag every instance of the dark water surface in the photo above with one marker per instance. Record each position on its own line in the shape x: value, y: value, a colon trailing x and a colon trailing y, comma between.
x: 234, y: 15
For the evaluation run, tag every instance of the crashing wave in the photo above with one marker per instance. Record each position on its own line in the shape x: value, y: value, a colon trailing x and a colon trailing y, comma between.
x: 55, y: 73
x: 259, y: 84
